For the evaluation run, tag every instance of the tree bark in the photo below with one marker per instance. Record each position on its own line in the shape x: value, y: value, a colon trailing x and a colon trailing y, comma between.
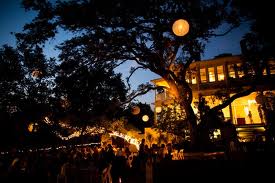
x: 192, y: 122
x: 183, y: 94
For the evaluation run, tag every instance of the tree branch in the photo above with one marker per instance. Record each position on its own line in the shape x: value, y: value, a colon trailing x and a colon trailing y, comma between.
x: 118, y: 64
x: 143, y: 91
x: 224, y: 33
x: 131, y: 73
x: 231, y: 99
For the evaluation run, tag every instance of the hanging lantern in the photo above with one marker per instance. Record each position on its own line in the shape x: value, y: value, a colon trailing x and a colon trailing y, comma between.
x: 180, y: 27
x: 135, y: 110
x: 145, y: 118
x: 158, y: 109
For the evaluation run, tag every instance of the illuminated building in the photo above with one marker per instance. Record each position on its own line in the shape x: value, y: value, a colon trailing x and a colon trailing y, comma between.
x: 207, y: 77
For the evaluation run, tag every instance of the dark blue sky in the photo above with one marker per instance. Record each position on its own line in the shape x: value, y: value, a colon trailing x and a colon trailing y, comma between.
x: 13, y: 17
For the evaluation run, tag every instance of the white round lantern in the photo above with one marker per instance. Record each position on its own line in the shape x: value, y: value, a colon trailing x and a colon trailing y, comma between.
x: 158, y: 109
x: 145, y: 118
x: 180, y: 27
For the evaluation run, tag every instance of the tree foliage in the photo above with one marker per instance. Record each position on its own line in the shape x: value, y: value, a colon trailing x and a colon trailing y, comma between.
x: 24, y: 96
x: 258, y: 49
x: 88, y: 94
x: 140, y: 31
x: 172, y: 119
x: 136, y: 119
x: 34, y: 87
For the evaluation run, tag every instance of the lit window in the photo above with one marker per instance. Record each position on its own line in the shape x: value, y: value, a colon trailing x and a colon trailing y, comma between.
x: 231, y: 71
x: 220, y: 73
x: 211, y: 74
x: 187, y: 77
x: 250, y: 70
x: 193, y: 77
x: 272, y: 67
x: 160, y: 94
x: 240, y: 70
x: 203, y: 75
x: 264, y: 71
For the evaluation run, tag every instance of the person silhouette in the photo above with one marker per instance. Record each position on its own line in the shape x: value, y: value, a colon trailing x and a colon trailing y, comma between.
x: 229, y: 137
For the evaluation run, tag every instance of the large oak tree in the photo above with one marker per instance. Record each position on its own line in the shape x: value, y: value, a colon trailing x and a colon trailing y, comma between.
x: 34, y: 87
x: 139, y: 31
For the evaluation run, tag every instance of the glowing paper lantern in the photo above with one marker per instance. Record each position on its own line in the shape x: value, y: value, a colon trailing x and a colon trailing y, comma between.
x: 158, y: 109
x: 135, y: 110
x: 180, y: 27
x: 145, y: 118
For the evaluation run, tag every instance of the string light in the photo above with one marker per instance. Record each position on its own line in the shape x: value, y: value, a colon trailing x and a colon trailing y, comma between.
x: 128, y: 138
x: 92, y: 131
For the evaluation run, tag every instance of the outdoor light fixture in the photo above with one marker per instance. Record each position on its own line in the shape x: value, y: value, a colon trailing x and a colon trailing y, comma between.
x: 145, y: 118
x: 180, y: 27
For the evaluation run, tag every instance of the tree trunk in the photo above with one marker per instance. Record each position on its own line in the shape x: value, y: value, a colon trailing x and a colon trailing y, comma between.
x: 192, y: 123
x: 183, y: 94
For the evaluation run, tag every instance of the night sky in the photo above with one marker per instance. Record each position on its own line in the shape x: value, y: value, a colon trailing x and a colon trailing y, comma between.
x: 13, y: 17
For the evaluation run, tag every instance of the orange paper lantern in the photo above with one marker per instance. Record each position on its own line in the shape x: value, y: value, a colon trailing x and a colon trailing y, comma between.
x: 180, y: 27
x: 135, y: 110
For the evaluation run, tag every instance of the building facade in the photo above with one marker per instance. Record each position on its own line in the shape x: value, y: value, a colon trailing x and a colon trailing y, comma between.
x: 208, y: 78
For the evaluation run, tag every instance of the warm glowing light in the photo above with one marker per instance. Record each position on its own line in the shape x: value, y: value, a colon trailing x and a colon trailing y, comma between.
x: 30, y: 127
x: 180, y: 27
x: 220, y: 73
x: 145, y: 118
x: 194, y: 80
x: 33, y: 127
x: 76, y: 132
x: 211, y: 74
x: 91, y: 131
x: 127, y: 138
x: 158, y: 109
x: 221, y: 77
x: 217, y: 133
x: 251, y: 102
x: 135, y: 110
x: 48, y: 121
x: 178, y: 109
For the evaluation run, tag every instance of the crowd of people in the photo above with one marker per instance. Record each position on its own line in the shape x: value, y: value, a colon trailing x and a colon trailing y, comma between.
x: 83, y: 164
x: 99, y: 163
